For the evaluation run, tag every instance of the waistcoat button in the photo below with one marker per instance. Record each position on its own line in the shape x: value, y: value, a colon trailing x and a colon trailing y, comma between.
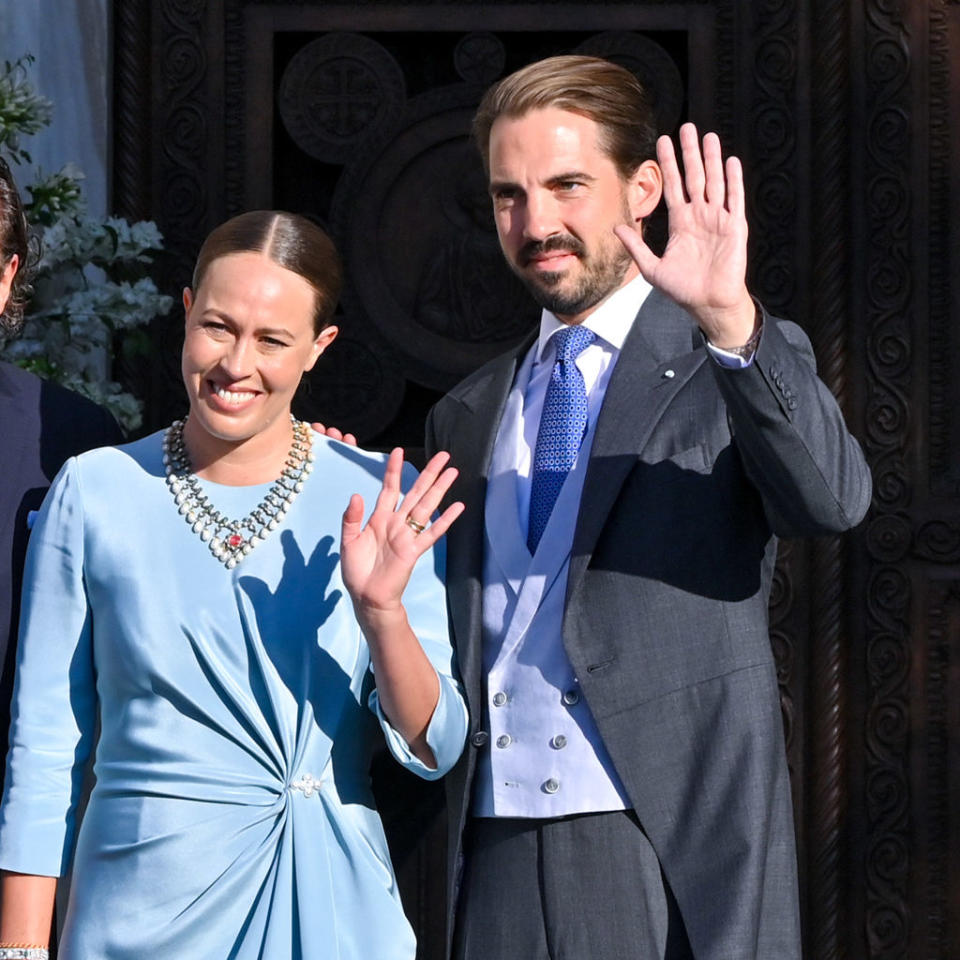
x: 551, y: 785
x: 571, y: 698
x: 499, y: 699
x: 504, y: 740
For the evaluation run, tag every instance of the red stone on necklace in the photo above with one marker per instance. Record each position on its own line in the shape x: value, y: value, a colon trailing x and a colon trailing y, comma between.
x: 235, y: 540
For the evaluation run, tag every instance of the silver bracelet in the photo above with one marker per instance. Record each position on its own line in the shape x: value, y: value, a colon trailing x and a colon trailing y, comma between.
x: 24, y: 953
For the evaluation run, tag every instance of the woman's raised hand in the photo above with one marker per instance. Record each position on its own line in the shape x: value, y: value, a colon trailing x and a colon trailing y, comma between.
x: 376, y: 559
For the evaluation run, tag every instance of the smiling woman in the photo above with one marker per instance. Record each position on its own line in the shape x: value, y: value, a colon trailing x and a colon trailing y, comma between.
x: 257, y: 318
x: 184, y: 589
x: 249, y: 339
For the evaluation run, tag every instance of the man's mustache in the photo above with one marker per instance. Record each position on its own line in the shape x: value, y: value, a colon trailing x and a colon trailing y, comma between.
x: 558, y: 241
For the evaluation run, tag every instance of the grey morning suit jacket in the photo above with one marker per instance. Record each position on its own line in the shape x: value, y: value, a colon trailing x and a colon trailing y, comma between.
x: 694, y: 472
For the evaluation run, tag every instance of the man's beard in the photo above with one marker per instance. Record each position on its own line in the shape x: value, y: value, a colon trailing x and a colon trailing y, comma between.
x: 598, y: 279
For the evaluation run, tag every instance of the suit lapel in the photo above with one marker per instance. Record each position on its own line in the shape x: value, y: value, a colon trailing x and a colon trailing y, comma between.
x: 481, y: 401
x: 658, y: 357
x: 660, y: 354
x: 502, y: 522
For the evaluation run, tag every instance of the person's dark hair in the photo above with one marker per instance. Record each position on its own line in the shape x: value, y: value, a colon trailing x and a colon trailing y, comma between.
x: 14, y: 240
x: 289, y: 240
x: 608, y: 94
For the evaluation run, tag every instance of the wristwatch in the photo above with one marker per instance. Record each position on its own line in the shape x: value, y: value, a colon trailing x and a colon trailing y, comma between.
x: 748, y: 349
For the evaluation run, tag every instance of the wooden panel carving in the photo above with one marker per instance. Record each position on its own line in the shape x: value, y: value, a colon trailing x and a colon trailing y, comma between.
x: 943, y: 220
x: 828, y: 806
x: 888, y: 285
x: 940, y: 809
x: 131, y: 172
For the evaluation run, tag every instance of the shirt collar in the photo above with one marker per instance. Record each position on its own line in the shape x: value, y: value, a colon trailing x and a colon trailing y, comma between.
x: 611, y: 321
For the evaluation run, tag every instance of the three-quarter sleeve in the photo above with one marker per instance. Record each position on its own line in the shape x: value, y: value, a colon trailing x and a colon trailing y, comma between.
x: 53, y: 711
x: 425, y: 602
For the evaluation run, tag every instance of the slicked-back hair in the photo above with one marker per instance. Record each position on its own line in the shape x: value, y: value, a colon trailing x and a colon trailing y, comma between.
x: 14, y: 240
x: 290, y: 241
x: 608, y: 94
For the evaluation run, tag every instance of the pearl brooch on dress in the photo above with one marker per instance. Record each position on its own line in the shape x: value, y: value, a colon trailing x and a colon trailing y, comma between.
x: 308, y: 784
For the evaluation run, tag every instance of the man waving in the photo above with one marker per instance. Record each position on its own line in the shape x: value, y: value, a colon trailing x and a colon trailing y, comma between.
x: 626, y: 475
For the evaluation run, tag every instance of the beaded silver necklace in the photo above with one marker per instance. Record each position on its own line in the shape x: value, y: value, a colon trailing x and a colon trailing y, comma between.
x: 231, y: 540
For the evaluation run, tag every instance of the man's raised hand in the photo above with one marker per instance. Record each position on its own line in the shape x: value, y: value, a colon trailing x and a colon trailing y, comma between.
x: 704, y: 264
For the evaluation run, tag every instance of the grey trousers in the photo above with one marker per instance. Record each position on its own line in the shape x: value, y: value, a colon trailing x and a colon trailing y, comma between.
x: 586, y: 887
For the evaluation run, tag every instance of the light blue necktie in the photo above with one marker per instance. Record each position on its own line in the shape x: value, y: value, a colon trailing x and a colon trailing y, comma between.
x: 562, y: 428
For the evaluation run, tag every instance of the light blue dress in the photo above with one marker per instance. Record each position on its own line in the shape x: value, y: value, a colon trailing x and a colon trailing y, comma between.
x: 222, y: 695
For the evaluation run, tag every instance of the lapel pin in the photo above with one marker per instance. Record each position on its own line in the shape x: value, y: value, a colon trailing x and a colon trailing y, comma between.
x: 669, y: 374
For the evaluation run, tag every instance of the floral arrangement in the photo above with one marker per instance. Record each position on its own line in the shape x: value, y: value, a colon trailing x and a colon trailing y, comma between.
x: 92, y: 296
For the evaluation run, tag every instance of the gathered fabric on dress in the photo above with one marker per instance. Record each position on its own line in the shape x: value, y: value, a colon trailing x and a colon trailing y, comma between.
x: 231, y: 814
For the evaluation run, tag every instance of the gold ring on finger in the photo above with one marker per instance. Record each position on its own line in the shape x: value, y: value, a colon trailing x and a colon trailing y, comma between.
x: 416, y: 527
